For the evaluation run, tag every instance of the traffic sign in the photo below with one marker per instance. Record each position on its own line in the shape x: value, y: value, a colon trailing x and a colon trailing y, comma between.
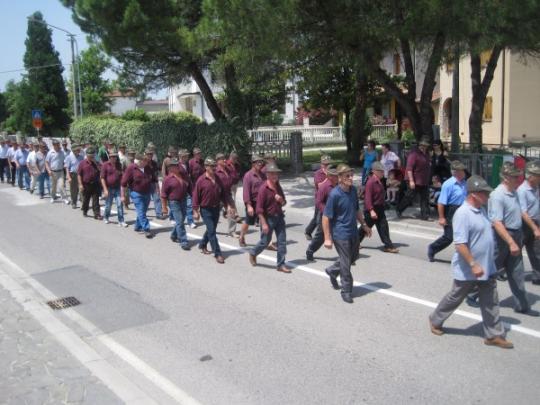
x: 37, y: 119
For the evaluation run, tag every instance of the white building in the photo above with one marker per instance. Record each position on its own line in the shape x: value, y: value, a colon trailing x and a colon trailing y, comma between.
x: 122, y: 102
x: 153, y: 106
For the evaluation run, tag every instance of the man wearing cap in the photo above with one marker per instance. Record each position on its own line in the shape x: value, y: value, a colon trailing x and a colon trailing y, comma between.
x: 174, y: 190
x: 11, y: 161
x: 418, y: 171
x: 154, y: 192
x: 31, y: 163
x: 505, y: 215
x: 270, y: 200
x: 88, y: 179
x: 227, y: 181
x: 23, y: 175
x: 473, y: 266
x: 152, y: 147
x: 253, y: 179
x: 71, y: 163
x: 130, y: 159
x: 110, y: 176
x: 183, y: 156
x: 196, y: 165
x: 234, y: 168
x: 453, y: 193
x: 318, y: 177
x: 54, y: 162
x: 323, y: 191
x: 172, y: 153
x: 529, y: 200
x: 269, y: 158
x: 209, y: 192
x: 139, y: 178
x: 339, y: 220
x: 4, y: 164
x: 374, y: 208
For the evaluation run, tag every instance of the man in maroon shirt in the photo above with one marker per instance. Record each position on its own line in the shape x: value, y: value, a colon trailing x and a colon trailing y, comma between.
x: 323, y: 191
x: 174, y: 190
x: 253, y: 179
x: 196, y: 165
x: 270, y: 201
x: 183, y: 155
x: 111, y: 174
x: 227, y: 180
x: 374, y: 208
x: 154, y: 191
x: 208, y: 194
x: 318, y: 177
x: 139, y: 178
x: 418, y: 176
x: 88, y: 177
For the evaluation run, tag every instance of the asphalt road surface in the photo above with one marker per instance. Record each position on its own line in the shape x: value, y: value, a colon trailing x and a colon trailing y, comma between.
x: 176, y: 326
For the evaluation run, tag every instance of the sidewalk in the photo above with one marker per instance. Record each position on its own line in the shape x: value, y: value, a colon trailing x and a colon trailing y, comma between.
x: 36, y: 369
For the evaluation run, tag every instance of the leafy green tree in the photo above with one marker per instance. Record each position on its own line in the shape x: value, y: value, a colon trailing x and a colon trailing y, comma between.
x: 3, y: 110
x: 19, y: 106
x: 44, y: 86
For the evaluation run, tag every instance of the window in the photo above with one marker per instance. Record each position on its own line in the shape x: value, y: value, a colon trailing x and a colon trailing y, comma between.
x: 488, y: 109
x: 397, y: 64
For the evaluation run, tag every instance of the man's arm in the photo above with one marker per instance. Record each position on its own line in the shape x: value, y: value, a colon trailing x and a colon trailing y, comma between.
x: 531, y: 224
x: 464, y: 252
x: 327, y: 233
x: 505, y: 235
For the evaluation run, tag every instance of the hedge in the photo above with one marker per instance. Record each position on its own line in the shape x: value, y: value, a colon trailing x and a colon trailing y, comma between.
x: 164, y: 129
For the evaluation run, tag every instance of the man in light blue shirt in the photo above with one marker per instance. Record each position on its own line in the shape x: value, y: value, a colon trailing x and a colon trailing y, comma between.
x: 473, y: 266
x: 529, y: 200
x: 23, y: 175
x: 453, y: 193
x: 71, y: 163
x: 4, y: 164
x: 55, y: 167
x: 504, y: 213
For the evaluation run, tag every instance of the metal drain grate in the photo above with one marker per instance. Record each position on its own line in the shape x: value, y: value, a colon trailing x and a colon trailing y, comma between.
x: 62, y: 303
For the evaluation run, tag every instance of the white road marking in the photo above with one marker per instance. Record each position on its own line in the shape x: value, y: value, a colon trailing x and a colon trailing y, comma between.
x: 32, y: 297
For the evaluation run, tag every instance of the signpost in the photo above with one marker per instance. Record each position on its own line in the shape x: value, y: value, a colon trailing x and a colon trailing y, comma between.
x: 37, y: 119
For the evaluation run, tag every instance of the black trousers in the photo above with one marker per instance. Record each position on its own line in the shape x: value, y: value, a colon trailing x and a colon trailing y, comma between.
x: 313, y: 223
x: 408, y: 199
x: 380, y: 223
x: 448, y: 233
x: 4, y: 165
x: 13, y: 172
x: 91, y: 192
x: 532, y: 246
x: 318, y: 238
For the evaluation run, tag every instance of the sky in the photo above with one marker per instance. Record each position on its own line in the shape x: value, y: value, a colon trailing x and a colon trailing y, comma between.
x: 13, y: 25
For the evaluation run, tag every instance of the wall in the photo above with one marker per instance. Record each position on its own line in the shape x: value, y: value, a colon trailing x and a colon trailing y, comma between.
x: 122, y: 104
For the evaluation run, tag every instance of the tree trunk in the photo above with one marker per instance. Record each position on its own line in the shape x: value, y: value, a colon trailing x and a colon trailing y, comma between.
x: 347, y: 125
x: 480, y: 88
x: 206, y: 92
x: 454, y: 123
x: 359, y: 136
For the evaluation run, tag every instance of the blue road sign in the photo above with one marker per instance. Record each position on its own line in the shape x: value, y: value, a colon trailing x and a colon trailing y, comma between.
x: 37, y: 114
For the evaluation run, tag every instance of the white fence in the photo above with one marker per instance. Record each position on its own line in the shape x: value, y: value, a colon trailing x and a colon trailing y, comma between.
x: 382, y: 131
x: 312, y: 135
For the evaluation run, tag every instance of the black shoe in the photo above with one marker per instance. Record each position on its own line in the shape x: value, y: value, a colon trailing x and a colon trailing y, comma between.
x: 309, y: 256
x: 174, y: 239
x: 430, y: 255
x: 85, y: 214
x: 473, y: 301
x: 398, y: 213
x: 185, y: 247
x: 74, y: 206
x: 333, y: 280
x: 347, y: 297
x: 536, y: 282
x: 148, y: 235
x: 501, y: 277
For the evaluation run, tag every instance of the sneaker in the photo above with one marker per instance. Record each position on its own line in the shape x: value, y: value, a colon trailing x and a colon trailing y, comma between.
x: 193, y: 225
x: 123, y: 225
x: 66, y: 201
x: 106, y: 221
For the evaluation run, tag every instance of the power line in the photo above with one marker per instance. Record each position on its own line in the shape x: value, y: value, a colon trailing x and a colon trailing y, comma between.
x: 32, y: 68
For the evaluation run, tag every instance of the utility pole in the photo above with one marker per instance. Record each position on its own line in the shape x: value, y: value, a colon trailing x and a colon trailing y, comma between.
x: 73, y: 73
x: 455, y: 103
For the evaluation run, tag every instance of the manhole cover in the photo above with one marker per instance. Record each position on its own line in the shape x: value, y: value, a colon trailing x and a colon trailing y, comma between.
x: 62, y: 303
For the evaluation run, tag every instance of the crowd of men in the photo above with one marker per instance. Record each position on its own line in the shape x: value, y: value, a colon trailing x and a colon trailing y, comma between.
x: 488, y: 242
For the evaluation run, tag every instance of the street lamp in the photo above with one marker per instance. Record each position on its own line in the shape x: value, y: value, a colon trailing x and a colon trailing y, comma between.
x: 73, y: 42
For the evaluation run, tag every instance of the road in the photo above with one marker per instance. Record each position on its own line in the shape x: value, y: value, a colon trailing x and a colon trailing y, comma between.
x: 178, y: 327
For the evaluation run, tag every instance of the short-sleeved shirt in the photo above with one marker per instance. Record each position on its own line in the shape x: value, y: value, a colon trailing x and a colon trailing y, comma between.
x: 529, y: 200
x: 71, y: 163
x: 173, y: 189
x: 453, y: 192
x: 21, y: 155
x: 154, y: 169
x: 266, y: 200
x: 11, y: 153
x: 234, y: 171
x: 374, y: 193
x: 318, y: 178
x: 419, y: 164
x: 341, y: 209
x: 503, y: 205
x: 322, y: 195
x: 137, y: 179
x: 473, y: 228
x: 4, y: 152
x: 369, y: 158
x: 112, y: 174
x: 388, y: 160
x: 209, y: 194
x: 55, y: 160
x: 225, y: 178
x: 251, y: 183
x: 89, y: 172
x: 196, y: 169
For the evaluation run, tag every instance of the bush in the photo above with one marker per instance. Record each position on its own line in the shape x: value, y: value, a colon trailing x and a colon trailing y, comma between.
x: 183, y: 130
x: 135, y: 115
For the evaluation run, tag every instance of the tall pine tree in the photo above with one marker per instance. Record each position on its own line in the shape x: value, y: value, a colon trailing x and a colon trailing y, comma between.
x: 47, y: 90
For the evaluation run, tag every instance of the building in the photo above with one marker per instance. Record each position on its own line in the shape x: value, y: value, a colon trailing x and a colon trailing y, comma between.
x: 122, y: 101
x: 511, y: 105
x: 153, y: 106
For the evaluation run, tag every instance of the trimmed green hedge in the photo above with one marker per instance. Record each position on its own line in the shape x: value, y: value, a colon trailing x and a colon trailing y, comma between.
x: 183, y: 130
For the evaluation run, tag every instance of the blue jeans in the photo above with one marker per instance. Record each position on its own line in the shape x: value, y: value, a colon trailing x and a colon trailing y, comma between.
x: 210, y: 217
x: 114, y: 194
x: 141, y: 202
x: 157, y: 200
x: 41, y: 183
x: 276, y: 224
x: 178, y: 211
x: 189, y: 210
x: 23, y: 174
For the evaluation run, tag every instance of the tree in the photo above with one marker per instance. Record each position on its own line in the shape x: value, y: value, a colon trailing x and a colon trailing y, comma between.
x: 19, y: 106
x: 3, y: 110
x: 92, y: 64
x: 43, y: 84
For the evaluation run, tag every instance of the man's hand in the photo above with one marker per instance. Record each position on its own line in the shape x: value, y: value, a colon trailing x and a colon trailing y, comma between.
x: 373, y: 215
x: 477, y: 270
x: 123, y: 198
x: 278, y: 198
x: 367, y: 230
x: 411, y: 184
x: 514, y: 249
x: 265, y: 229
x: 442, y: 222
x: 537, y: 233
x: 328, y: 243
x: 105, y: 193
x: 81, y: 187
x: 196, y: 215
x: 250, y: 211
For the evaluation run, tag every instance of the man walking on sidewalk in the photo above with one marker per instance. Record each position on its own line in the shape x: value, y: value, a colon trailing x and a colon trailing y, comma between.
x: 72, y: 165
x: 339, y: 220
x: 154, y: 191
x: 54, y: 162
x: 318, y: 178
x: 473, y: 266
x: 253, y: 179
x: 374, y: 208
x: 325, y: 187
x: 11, y: 161
x: 88, y: 179
x: 453, y: 193
x: 227, y: 181
x: 23, y: 175
x: 270, y: 201
x: 530, y: 212
x: 4, y: 164
x: 110, y: 176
